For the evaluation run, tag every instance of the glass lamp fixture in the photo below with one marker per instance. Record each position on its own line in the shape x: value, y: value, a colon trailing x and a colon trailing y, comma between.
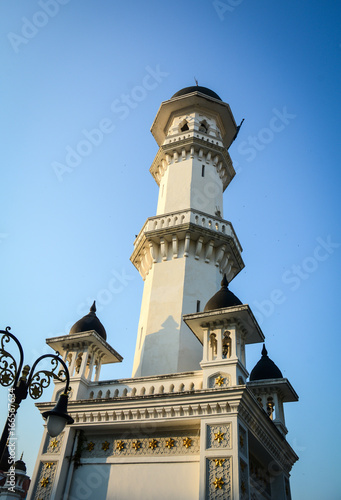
x: 57, y: 418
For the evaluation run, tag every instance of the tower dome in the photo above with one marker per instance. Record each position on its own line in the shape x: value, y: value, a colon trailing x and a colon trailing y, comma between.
x: 265, y: 368
x: 20, y: 465
x: 223, y: 298
x: 89, y: 322
x: 196, y: 88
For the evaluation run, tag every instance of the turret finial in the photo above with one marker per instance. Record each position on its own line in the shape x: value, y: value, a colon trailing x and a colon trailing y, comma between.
x: 264, y: 351
x: 93, y: 307
x: 224, y: 283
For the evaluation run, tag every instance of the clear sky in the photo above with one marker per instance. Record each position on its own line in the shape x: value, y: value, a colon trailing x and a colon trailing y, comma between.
x: 68, y: 221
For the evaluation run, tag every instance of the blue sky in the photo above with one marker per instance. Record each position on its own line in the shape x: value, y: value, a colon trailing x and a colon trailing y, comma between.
x: 66, y: 232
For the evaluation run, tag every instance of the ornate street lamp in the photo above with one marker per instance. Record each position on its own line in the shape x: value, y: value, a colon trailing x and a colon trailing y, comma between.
x: 31, y: 382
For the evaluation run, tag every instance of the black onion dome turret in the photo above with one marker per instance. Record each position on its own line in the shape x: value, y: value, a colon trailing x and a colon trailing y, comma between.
x: 223, y: 298
x: 265, y: 368
x: 90, y: 322
x: 20, y: 465
x: 196, y: 88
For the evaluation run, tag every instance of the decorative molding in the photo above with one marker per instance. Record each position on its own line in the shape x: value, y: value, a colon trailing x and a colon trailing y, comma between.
x: 136, y: 444
x: 284, y: 455
x: 45, y: 479
x: 218, y: 436
x: 151, y: 413
x: 53, y: 444
x: 187, y: 233
x: 219, y: 480
x: 192, y: 147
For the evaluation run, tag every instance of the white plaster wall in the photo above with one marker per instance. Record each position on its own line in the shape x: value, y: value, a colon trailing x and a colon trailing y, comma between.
x: 206, y: 192
x: 154, y: 481
x: 183, y: 187
x: 171, y: 290
x: 90, y: 481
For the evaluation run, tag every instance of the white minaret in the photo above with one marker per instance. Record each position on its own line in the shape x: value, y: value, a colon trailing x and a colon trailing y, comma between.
x: 183, y: 251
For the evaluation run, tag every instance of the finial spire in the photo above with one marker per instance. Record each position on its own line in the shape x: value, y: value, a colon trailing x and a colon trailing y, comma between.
x: 93, y: 307
x: 264, y: 351
x: 196, y: 81
x: 224, y: 283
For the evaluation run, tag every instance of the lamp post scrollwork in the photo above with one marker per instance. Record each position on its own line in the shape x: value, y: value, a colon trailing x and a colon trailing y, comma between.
x: 25, y: 380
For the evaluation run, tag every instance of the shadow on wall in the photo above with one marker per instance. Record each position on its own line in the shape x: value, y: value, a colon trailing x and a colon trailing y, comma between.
x: 160, y: 351
x: 166, y: 341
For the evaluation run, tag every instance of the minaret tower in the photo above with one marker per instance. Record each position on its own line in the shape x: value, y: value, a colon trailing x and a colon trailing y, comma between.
x: 183, y: 252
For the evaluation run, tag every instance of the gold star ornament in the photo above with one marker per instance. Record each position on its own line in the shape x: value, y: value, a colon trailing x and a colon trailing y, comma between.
x: 218, y: 483
x: 49, y: 465
x: 119, y: 445
x: 90, y: 446
x: 44, y: 482
x: 219, y: 381
x: 219, y: 436
x: 187, y: 442
x: 219, y: 461
x: 136, y: 445
x: 169, y: 443
x: 105, y: 446
x: 153, y: 444
x: 54, y: 443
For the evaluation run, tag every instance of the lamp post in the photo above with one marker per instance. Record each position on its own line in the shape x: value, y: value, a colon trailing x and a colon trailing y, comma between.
x: 31, y: 382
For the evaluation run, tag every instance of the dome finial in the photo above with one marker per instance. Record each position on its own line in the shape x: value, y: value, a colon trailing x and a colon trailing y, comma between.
x: 223, y: 298
x: 88, y: 323
x: 265, y: 369
x: 224, y: 283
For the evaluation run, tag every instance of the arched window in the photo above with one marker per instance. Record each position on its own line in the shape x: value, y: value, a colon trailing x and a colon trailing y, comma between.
x: 184, y: 126
x: 226, y: 345
x: 203, y: 127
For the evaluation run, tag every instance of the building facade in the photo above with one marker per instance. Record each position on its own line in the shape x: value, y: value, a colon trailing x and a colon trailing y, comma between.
x: 190, y: 423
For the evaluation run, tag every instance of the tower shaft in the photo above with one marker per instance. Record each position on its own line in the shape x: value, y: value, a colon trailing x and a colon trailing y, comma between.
x: 182, y: 252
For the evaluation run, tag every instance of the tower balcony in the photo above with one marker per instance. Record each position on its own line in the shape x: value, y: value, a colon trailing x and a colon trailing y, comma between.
x: 188, y: 233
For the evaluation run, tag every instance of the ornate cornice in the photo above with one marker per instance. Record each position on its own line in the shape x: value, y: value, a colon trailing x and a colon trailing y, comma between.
x: 191, y: 146
x: 266, y: 432
x: 188, y: 233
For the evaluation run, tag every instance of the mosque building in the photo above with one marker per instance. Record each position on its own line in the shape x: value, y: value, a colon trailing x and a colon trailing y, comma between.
x: 191, y: 423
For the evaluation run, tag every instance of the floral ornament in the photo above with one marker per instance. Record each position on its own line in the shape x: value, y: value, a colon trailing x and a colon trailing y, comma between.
x: 169, y: 443
x: 219, y: 381
x: 49, y: 465
x: 35, y: 392
x: 44, y: 482
x: 105, y: 446
x: 219, y: 461
x: 219, y: 436
x: 54, y: 443
x: 119, y: 445
x: 90, y: 446
x: 5, y: 379
x: 153, y: 444
x: 187, y: 442
x: 136, y: 445
x: 218, y: 483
